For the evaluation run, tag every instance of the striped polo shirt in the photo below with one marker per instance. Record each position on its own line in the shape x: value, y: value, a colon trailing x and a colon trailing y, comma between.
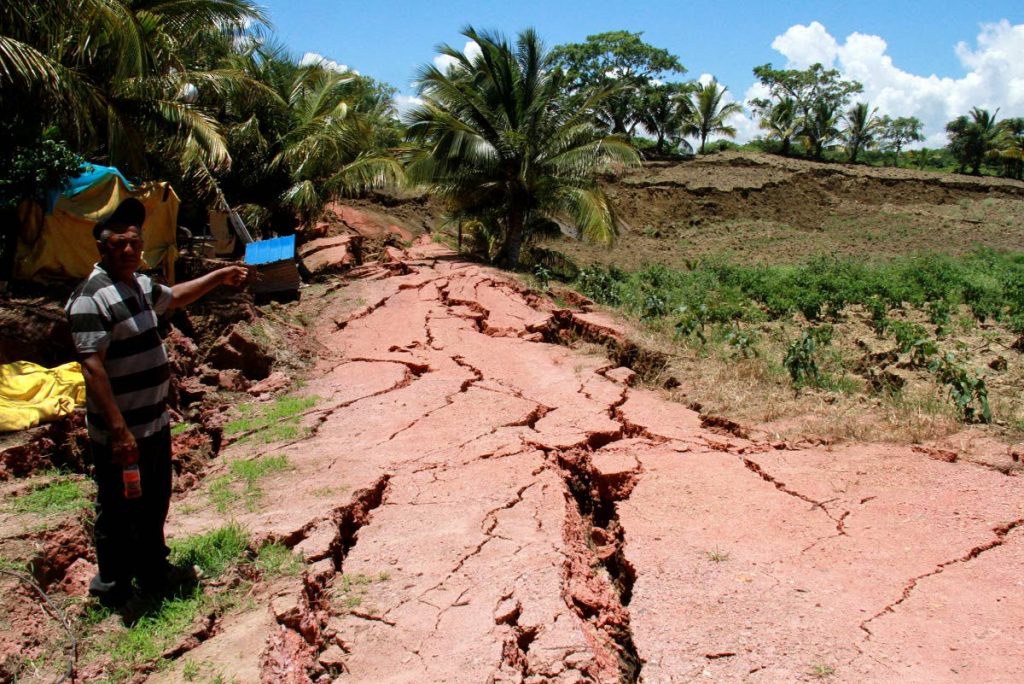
x: 120, y: 318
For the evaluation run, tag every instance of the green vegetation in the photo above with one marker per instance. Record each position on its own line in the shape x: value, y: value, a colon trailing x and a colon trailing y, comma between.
x: 620, y: 62
x: 242, y: 483
x: 211, y: 552
x: 500, y: 143
x: 704, y: 113
x: 716, y: 555
x: 161, y: 623
x: 822, y: 671
x: 62, y: 494
x: 274, y: 422
x: 355, y: 587
x: 717, y: 291
x: 721, y: 303
x: 277, y: 559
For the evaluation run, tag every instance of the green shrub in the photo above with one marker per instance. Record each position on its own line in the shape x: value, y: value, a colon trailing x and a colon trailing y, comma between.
x: 967, y: 390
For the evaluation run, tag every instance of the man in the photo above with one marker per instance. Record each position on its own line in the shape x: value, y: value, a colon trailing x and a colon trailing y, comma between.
x: 113, y: 316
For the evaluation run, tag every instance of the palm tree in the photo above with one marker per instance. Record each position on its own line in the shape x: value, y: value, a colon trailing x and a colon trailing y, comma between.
x: 1010, y: 145
x: 498, y: 140
x: 116, y: 76
x: 330, y: 150
x: 972, y: 138
x: 704, y: 114
x: 861, y: 126
x: 820, y: 127
x: 782, y: 123
x: 661, y: 114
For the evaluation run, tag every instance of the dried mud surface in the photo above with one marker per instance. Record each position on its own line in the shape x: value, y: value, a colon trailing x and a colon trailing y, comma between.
x: 475, y: 500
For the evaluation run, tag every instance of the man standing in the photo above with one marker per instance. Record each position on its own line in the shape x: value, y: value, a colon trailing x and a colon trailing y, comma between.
x: 113, y: 315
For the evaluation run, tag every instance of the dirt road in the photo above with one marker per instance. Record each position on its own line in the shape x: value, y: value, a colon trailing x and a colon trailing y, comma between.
x: 476, y: 504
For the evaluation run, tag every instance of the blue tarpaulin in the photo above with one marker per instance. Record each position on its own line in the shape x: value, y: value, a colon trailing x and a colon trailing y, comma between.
x: 270, y: 251
x: 90, y: 175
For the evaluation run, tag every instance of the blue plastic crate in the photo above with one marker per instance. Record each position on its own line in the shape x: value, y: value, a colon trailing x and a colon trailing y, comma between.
x: 270, y: 251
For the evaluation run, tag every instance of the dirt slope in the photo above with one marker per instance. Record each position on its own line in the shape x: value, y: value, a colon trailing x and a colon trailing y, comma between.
x: 476, y: 502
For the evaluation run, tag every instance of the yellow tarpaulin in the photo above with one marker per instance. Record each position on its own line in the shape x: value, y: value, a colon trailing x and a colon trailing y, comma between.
x: 59, y: 245
x: 31, y: 394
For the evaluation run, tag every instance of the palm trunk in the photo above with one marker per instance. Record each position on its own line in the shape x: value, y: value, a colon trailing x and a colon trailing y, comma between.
x: 509, y: 256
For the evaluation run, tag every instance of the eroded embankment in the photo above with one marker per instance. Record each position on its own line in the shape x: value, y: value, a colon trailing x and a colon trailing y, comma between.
x: 475, y: 503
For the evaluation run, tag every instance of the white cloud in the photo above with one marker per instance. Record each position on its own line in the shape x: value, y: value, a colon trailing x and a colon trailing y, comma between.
x: 993, y: 78
x: 471, y: 50
x: 317, y: 58
x: 403, y: 103
x: 806, y: 45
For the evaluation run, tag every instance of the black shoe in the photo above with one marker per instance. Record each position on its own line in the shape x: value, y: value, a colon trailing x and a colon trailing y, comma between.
x: 111, y: 595
x: 167, y: 581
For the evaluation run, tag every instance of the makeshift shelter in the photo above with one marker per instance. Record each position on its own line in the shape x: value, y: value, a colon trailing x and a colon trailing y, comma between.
x: 55, y: 242
x: 274, y: 260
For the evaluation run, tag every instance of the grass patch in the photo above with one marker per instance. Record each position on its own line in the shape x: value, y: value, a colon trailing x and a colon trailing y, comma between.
x: 277, y: 559
x: 161, y: 623
x: 242, y: 483
x: 213, y: 551
x: 274, y: 422
x: 354, y: 587
x: 53, y: 497
x: 180, y: 428
x: 822, y: 671
x: 159, y: 627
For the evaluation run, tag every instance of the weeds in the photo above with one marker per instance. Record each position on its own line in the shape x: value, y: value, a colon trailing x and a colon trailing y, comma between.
x: 354, y: 588
x: 822, y: 670
x: 54, y: 497
x: 967, y: 390
x: 716, y: 555
x: 163, y: 622
x: 211, y: 552
x: 277, y: 559
x: 275, y: 422
x: 242, y: 483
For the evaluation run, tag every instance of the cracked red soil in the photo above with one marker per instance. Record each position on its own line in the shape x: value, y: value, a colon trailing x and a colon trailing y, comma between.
x: 475, y: 504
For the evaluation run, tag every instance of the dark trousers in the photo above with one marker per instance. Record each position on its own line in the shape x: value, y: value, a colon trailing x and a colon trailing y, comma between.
x: 129, y: 533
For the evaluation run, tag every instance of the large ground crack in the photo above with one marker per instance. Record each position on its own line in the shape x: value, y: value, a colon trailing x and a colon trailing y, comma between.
x: 302, y: 614
x: 598, y: 579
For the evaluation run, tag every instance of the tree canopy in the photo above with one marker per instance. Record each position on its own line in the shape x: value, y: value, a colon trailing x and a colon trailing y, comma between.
x: 619, y: 60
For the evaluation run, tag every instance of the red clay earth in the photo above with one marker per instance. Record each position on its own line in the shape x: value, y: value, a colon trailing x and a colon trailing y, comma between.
x: 475, y: 503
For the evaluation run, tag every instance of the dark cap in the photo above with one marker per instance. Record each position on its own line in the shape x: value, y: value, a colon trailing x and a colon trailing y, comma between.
x: 129, y: 212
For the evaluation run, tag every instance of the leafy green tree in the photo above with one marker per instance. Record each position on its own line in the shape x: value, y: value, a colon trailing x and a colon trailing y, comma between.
x: 662, y: 116
x: 818, y: 95
x: 781, y: 123
x: 862, y: 125
x: 895, y: 133
x: 704, y: 114
x: 312, y: 135
x: 497, y: 139
x: 618, y: 59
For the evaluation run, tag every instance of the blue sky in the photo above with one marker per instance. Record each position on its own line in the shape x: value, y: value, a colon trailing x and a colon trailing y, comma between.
x: 900, y: 43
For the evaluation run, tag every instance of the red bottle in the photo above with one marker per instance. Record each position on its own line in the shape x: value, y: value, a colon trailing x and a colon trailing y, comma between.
x: 132, y: 481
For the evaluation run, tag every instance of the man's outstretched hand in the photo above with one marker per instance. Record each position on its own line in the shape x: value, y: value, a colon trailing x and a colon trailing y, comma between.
x: 235, y: 275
